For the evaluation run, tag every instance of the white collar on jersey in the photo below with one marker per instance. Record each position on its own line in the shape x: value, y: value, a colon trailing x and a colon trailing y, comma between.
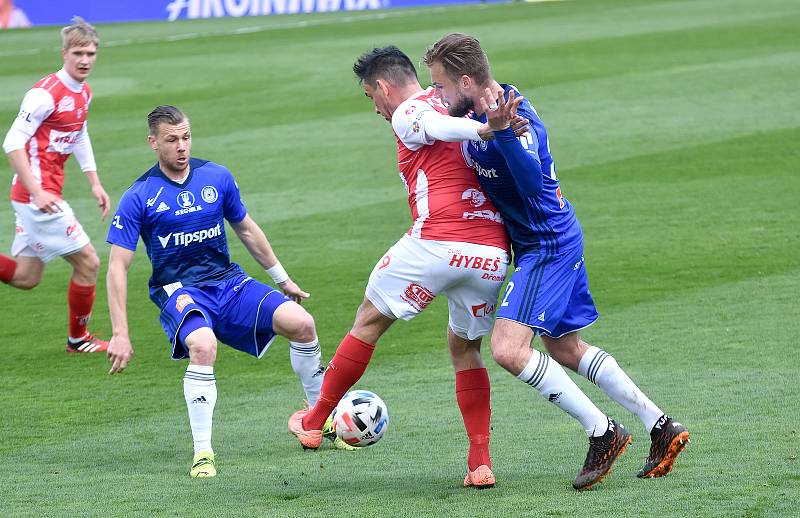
x: 69, y: 81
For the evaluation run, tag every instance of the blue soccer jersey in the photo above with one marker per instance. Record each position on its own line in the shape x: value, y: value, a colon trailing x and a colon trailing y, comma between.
x: 182, y: 226
x: 541, y: 223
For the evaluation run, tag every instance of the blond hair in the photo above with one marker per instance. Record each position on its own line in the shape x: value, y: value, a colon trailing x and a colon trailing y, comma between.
x: 460, y: 54
x: 79, y: 34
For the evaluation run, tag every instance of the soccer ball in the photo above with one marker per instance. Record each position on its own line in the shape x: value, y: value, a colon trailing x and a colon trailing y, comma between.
x: 360, y: 418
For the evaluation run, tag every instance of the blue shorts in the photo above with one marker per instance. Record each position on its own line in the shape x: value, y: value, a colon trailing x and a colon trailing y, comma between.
x: 550, y: 293
x: 239, y: 311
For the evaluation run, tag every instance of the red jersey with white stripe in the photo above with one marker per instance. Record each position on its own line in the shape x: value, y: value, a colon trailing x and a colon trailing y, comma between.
x: 61, y: 116
x: 446, y: 201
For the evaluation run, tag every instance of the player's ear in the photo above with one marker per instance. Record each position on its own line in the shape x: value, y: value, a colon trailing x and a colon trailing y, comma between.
x: 465, y: 81
x: 152, y: 140
x: 383, y: 86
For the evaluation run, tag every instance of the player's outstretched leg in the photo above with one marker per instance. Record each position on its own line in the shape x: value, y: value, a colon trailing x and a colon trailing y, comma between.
x: 292, y: 321
x: 345, y: 369
x: 295, y: 323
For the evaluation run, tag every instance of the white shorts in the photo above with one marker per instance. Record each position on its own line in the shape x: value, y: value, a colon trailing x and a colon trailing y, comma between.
x: 414, y: 271
x: 47, y: 236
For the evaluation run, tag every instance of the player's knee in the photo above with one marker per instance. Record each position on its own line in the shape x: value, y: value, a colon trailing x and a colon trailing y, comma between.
x: 87, y: 268
x: 305, y: 330
x: 27, y: 282
x: 202, y: 347
x: 203, y: 353
x: 502, y: 358
x: 92, y: 264
x: 502, y: 353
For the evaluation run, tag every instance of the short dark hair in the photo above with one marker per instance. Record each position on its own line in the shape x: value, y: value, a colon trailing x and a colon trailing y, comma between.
x: 164, y: 114
x: 389, y: 63
x: 460, y: 55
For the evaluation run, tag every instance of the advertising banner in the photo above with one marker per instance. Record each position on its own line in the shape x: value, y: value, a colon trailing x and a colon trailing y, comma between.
x: 49, y: 12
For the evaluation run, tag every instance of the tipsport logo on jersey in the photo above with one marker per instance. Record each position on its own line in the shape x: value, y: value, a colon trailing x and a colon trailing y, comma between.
x: 187, y: 238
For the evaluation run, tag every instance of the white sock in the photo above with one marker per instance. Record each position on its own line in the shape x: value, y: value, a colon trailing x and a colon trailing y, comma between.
x: 553, y: 383
x: 200, y: 391
x: 307, y: 364
x: 602, y: 369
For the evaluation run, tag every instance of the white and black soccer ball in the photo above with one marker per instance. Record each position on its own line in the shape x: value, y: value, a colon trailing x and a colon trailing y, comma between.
x: 361, y: 418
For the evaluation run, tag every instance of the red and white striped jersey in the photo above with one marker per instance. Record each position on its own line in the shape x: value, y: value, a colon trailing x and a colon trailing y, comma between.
x: 52, y: 125
x: 446, y: 201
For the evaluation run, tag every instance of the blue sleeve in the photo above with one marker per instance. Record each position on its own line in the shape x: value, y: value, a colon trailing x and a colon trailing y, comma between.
x: 523, y: 164
x: 126, y: 223
x: 233, y: 207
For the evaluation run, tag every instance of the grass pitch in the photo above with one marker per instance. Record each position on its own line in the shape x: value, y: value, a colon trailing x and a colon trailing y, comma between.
x: 674, y: 127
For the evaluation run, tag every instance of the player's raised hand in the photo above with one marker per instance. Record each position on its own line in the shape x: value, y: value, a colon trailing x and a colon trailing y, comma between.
x: 119, y: 353
x: 103, y: 200
x: 293, y: 291
x: 499, y: 112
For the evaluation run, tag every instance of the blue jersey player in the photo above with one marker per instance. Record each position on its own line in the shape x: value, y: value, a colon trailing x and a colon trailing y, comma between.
x: 179, y: 208
x: 548, y: 293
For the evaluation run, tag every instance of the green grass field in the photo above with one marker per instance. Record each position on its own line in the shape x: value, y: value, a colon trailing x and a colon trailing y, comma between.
x: 675, y: 128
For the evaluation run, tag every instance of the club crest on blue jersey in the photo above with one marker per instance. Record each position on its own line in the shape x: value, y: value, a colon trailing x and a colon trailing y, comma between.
x: 209, y: 194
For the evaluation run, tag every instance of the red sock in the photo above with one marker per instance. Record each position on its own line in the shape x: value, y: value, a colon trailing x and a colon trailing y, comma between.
x: 344, y: 370
x: 81, y: 300
x: 7, y: 268
x: 472, y: 394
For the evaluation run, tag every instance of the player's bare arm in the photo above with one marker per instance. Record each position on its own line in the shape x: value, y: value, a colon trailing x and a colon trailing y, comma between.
x: 454, y: 129
x: 85, y: 156
x: 99, y: 193
x: 46, y: 202
x: 254, y: 239
x: 120, y: 348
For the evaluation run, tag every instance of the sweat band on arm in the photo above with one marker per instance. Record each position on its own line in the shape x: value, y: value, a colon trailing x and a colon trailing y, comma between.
x: 277, y: 273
